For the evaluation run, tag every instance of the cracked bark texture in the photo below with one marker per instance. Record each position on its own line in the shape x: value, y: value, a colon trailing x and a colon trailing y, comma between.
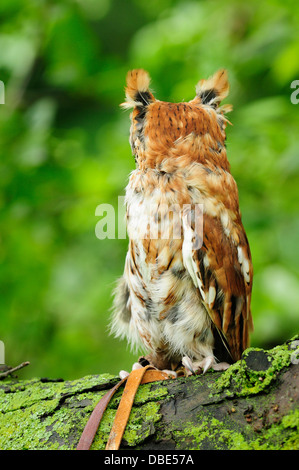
x: 252, y: 405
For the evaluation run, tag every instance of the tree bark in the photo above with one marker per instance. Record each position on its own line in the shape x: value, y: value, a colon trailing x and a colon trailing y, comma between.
x: 252, y: 405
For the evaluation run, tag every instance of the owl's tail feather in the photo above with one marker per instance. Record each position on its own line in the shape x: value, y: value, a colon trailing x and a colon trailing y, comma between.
x: 137, y: 89
x: 213, y: 90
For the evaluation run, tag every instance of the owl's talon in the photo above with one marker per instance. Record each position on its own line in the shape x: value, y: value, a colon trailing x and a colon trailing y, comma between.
x: 193, y: 368
x: 136, y: 365
x: 207, y: 363
x: 123, y: 374
x: 187, y: 363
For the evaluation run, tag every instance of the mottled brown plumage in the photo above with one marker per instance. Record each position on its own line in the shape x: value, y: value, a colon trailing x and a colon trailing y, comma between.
x: 187, y: 282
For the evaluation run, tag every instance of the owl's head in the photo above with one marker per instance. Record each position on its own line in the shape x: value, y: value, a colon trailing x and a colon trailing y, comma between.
x: 159, y: 129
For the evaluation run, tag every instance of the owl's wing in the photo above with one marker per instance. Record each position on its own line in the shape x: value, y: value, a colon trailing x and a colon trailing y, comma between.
x: 221, y: 268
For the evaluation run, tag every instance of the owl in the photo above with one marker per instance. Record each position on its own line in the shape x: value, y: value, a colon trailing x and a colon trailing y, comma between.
x: 185, y: 293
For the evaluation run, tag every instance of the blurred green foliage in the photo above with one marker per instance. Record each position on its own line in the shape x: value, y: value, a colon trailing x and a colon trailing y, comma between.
x: 64, y: 150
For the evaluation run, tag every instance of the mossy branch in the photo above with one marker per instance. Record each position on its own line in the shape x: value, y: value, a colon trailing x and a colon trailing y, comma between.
x: 252, y: 405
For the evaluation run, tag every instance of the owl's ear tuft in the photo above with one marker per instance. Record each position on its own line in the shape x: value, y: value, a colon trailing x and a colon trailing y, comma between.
x: 213, y: 90
x: 137, y: 89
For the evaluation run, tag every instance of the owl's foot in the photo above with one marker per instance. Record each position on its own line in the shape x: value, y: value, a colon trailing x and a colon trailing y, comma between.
x: 125, y: 373
x: 137, y: 365
x: 198, y: 367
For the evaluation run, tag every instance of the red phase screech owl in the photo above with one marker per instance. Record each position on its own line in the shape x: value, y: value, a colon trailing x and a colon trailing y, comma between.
x: 186, y: 287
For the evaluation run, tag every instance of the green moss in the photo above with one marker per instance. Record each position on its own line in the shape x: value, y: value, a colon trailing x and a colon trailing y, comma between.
x: 271, y: 439
x: 150, y: 392
x: 218, y: 436
x: 13, y: 396
x: 41, y: 415
x: 141, y: 423
x: 212, y: 431
x: 241, y: 380
x: 22, y: 429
